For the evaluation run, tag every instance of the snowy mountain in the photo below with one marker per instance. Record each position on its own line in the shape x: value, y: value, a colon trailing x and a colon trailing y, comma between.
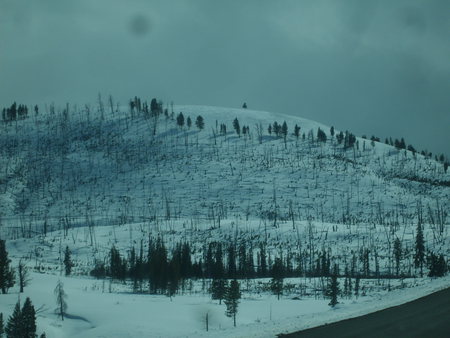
x: 295, y: 189
x: 76, y: 165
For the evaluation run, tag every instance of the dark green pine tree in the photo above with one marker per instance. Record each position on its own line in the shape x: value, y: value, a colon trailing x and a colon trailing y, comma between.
x: 6, y: 272
x: 14, y: 327
x: 437, y: 265
x: 189, y: 122
x: 321, y: 136
x: 200, y: 122
x: 357, y: 281
x: 284, y: 131
x: 68, y: 264
x: 297, y: 131
x: 237, y: 127
x: 397, y: 255
x: 231, y: 261
x: 263, y: 261
x: 2, y: 325
x: 333, y: 287
x: 419, y: 256
x: 28, y: 319
x: 276, y: 284
x: 218, y: 289
x: 232, y: 297
x: 180, y: 120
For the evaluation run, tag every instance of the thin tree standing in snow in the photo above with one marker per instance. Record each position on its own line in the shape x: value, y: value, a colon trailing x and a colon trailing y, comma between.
x: 60, y: 299
x: 23, y: 275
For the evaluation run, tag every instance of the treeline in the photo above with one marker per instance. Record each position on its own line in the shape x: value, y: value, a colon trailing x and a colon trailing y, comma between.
x: 166, y: 272
x: 401, y: 144
x: 16, y: 112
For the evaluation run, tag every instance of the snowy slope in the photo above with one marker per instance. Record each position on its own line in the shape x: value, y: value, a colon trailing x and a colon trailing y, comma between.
x: 83, y: 168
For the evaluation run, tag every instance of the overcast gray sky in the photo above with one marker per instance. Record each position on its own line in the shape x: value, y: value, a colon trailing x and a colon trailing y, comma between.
x: 372, y: 67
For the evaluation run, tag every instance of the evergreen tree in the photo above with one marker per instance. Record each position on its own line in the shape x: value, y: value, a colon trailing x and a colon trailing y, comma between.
x: 237, y: 127
x: 276, y: 283
x: 244, y: 105
x: 232, y: 297
x: 437, y: 265
x: 186, y: 262
x: 340, y: 137
x: 68, y: 261
x: 2, y: 325
x: 321, y: 136
x: 60, y: 300
x: 218, y: 269
x: 332, y: 131
x: 231, y: 261
x: 397, y: 254
x: 242, y: 266
x: 263, y: 261
x: 14, y: 327
x: 199, y: 122
x: 28, y: 319
x: 218, y: 289
x: 180, y: 120
x: 173, y: 274
x: 154, y: 107
x: 6, y: 272
x: 357, y: 281
x: 159, y: 269
x: 189, y: 122
x: 297, y: 131
x: 117, y: 264
x: 333, y: 287
x: 276, y: 128
x: 284, y: 130
x: 419, y: 256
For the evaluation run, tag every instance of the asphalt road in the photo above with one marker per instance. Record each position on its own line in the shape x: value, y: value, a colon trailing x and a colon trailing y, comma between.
x: 425, y: 317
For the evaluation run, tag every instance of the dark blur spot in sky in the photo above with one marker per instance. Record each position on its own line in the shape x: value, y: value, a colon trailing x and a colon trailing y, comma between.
x: 140, y: 25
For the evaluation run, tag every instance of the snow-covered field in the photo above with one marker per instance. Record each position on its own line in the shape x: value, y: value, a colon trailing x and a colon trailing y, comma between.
x: 88, y: 183
x: 95, y: 312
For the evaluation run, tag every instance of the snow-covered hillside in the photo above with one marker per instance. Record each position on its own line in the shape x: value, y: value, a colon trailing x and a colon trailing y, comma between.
x: 78, y: 168
x: 90, y: 181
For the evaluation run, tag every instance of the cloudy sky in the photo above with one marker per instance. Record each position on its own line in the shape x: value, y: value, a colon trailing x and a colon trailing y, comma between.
x: 372, y: 67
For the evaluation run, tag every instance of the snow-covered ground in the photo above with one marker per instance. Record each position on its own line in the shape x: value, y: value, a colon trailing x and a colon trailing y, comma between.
x: 100, y: 308
x: 95, y: 312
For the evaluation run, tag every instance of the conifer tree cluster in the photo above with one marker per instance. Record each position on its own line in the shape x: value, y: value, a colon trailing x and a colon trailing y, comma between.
x: 321, y: 136
x: 22, y: 322
x: 164, y: 271
x: 14, y: 112
x: 137, y: 107
x: 438, y: 266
